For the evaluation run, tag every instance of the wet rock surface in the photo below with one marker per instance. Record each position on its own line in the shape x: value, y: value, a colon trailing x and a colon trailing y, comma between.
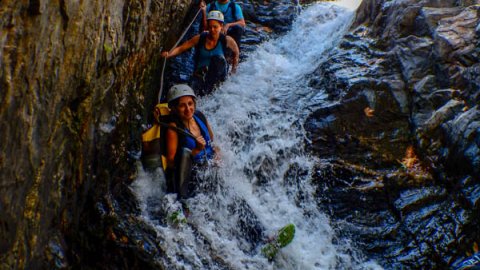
x: 74, y: 82
x: 399, y: 143
x: 77, y: 85
x: 400, y: 140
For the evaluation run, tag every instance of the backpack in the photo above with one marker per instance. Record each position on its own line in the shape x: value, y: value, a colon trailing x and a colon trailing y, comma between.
x: 153, y: 140
x: 231, y: 6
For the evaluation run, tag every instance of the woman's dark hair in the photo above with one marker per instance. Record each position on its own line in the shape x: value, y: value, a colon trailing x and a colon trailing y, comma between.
x: 174, y: 103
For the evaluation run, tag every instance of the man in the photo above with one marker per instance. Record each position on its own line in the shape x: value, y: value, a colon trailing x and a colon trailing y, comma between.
x: 234, y: 22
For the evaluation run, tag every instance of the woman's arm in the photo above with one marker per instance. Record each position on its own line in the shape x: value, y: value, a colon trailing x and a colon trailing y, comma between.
x: 172, y: 144
x: 235, y: 51
x: 180, y: 49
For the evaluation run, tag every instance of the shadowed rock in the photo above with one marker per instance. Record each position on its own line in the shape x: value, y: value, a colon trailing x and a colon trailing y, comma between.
x: 402, y: 134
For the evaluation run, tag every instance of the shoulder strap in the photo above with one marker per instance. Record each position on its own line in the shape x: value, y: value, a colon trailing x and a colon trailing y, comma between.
x: 202, y: 117
x: 181, y: 137
x: 200, y: 44
x: 203, y: 124
x: 223, y: 41
x: 233, y: 9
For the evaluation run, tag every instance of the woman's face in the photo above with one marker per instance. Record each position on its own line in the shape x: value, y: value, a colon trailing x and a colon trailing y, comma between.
x: 186, y: 107
x: 214, y: 27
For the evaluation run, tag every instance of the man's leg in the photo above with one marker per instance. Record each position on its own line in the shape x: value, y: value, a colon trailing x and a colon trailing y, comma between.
x: 236, y: 33
x: 198, y: 81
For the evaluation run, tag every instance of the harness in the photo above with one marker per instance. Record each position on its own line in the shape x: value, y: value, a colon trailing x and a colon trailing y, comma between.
x: 201, y: 44
x: 231, y: 6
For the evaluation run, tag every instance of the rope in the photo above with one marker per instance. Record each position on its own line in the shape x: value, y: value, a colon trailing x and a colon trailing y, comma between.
x: 161, y: 80
x: 178, y: 130
x: 174, y: 46
x: 183, y: 132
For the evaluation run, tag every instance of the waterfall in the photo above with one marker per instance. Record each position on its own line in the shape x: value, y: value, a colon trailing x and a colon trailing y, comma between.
x: 263, y: 181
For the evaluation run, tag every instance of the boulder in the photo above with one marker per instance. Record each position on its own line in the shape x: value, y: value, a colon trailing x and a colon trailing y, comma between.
x: 427, y: 98
x: 432, y: 15
x: 438, y: 3
x: 456, y: 33
x: 414, y: 54
x: 463, y: 139
x: 414, y: 199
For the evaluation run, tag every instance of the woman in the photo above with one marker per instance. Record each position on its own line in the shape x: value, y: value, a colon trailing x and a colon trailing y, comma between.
x: 181, y: 100
x: 210, y: 63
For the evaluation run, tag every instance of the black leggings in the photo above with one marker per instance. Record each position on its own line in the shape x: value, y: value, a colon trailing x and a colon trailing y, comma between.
x: 236, y: 33
x: 206, y: 79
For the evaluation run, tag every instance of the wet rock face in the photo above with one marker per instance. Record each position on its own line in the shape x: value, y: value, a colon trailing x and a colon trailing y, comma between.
x: 73, y: 81
x: 77, y: 82
x: 402, y: 136
x: 264, y: 20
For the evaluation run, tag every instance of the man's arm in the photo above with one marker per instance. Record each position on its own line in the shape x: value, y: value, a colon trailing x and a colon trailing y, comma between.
x: 240, y: 20
x: 203, y: 6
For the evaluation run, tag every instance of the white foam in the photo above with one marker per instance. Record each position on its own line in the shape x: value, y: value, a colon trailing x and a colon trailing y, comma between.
x: 256, y: 117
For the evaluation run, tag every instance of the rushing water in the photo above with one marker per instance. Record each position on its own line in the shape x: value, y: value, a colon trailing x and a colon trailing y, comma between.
x: 263, y: 180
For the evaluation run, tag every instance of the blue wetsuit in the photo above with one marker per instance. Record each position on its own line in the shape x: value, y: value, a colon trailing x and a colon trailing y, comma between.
x: 211, y: 67
x: 190, y: 143
x: 205, y: 55
x: 183, y: 179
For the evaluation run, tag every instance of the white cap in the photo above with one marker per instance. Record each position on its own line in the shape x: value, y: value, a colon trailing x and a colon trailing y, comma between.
x: 179, y: 90
x: 215, y: 15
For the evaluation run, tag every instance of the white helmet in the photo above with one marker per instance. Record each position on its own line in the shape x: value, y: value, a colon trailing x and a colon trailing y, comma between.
x: 215, y: 15
x: 179, y: 90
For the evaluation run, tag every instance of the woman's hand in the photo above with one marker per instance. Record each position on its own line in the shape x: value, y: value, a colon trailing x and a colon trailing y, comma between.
x: 201, y: 143
x: 164, y: 54
x: 203, y: 6
x: 234, y: 68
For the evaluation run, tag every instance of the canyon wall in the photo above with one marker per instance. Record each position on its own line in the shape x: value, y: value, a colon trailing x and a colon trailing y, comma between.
x: 74, y: 76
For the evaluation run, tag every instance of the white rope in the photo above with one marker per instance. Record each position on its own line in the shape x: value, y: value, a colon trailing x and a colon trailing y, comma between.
x: 174, y: 46
x: 161, y: 80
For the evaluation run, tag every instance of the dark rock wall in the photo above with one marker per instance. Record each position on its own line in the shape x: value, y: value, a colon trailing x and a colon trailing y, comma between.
x: 74, y: 76
x: 435, y: 45
x: 401, y: 142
